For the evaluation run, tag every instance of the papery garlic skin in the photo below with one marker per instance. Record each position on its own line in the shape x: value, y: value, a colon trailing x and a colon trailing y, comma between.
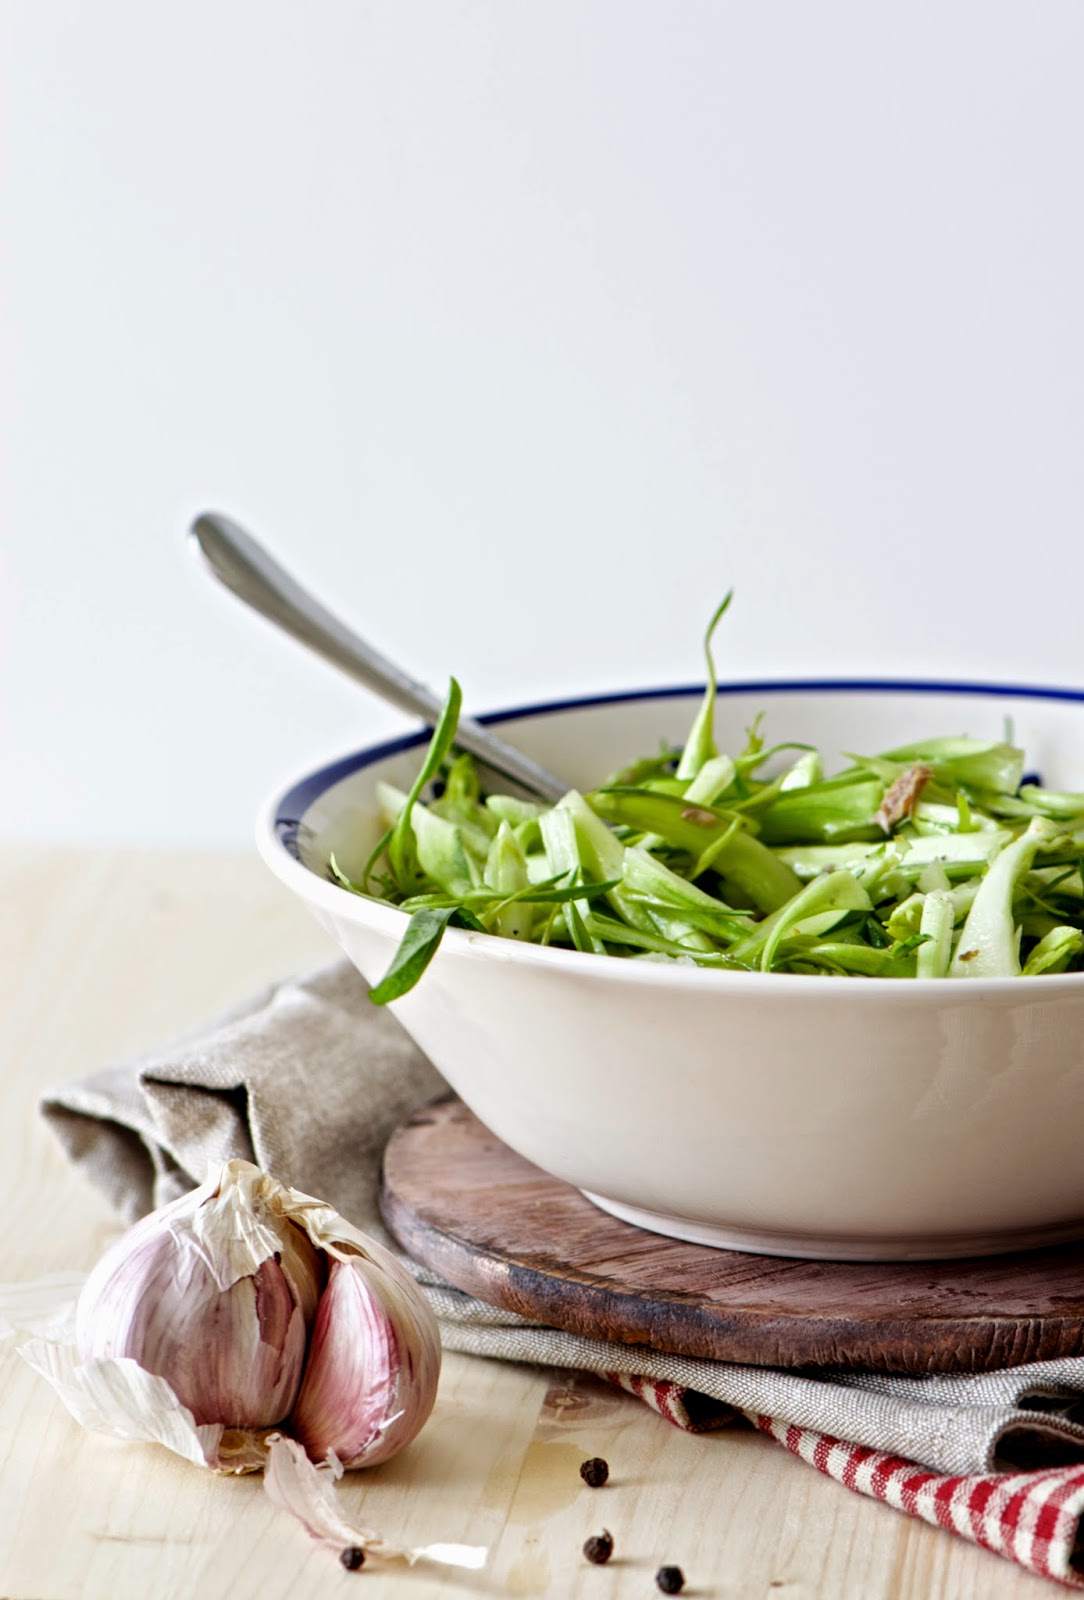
x: 372, y: 1369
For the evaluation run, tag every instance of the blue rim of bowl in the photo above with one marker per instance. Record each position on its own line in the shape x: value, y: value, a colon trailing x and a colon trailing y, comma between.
x: 292, y: 805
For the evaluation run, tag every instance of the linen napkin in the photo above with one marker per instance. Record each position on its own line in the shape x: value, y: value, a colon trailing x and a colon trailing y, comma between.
x: 308, y: 1079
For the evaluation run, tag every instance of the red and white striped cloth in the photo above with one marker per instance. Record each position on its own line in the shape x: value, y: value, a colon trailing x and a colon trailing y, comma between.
x: 1032, y: 1518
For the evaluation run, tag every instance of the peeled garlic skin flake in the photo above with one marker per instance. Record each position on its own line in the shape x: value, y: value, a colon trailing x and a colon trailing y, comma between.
x: 262, y: 1308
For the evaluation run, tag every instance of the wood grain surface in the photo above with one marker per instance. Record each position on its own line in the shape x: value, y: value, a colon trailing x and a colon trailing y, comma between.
x: 491, y: 1223
x: 106, y: 953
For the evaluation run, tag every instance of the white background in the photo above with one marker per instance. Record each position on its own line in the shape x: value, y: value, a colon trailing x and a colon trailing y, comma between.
x: 521, y: 331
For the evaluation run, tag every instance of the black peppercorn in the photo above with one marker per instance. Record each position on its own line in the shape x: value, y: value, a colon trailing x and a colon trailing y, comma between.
x: 352, y: 1557
x: 595, y: 1472
x: 671, y: 1580
x: 599, y: 1548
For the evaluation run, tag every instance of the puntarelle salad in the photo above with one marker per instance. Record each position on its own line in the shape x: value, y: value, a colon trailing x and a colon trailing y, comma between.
x: 932, y: 860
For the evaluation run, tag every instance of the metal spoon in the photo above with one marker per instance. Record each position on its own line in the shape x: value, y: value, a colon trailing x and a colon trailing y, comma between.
x: 244, y: 567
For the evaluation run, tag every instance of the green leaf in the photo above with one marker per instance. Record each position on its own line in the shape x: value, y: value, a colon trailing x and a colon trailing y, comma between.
x: 581, y: 938
x: 417, y: 948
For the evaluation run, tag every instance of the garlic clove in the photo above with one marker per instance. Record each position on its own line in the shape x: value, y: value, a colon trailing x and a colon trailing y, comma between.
x: 232, y: 1356
x: 373, y: 1363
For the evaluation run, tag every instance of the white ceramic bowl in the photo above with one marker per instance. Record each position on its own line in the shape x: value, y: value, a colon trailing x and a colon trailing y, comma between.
x: 845, y: 1118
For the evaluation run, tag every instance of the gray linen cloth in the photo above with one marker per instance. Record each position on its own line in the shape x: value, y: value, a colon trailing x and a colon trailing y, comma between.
x: 308, y: 1079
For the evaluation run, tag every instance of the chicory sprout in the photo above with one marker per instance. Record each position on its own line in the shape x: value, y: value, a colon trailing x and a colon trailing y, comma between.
x: 936, y: 859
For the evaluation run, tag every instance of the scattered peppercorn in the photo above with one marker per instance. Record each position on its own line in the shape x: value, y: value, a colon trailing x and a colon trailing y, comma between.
x: 595, y: 1472
x: 671, y: 1580
x: 599, y: 1548
x: 352, y: 1557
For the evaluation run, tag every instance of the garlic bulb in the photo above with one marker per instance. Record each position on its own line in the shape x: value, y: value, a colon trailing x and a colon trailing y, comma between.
x: 249, y: 1328
x: 262, y: 1310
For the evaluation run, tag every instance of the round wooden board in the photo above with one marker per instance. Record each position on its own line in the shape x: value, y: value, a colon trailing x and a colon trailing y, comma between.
x: 467, y: 1206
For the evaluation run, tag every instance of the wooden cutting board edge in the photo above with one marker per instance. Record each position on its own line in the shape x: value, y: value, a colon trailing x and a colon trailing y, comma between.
x: 438, y: 1228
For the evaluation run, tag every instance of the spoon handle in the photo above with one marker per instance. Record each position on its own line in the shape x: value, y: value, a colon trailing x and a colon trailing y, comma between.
x: 239, y: 562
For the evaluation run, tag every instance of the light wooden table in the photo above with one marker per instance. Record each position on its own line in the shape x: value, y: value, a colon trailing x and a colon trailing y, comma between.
x: 103, y: 954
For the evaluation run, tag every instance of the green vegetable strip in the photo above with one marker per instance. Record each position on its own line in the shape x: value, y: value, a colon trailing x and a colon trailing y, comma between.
x: 563, y: 860
x: 906, y: 917
x: 713, y: 780
x: 859, y: 959
x: 506, y: 871
x: 506, y: 808
x: 806, y: 770
x: 1059, y: 807
x: 679, y: 910
x: 938, y: 916
x: 604, y: 857
x: 399, y: 845
x: 824, y: 813
x: 836, y: 891
x: 767, y: 881
x: 810, y: 860
x: 1054, y: 952
x: 988, y: 947
x: 700, y: 745
x: 644, y: 874
x: 615, y: 932
x: 440, y: 851
x: 971, y: 762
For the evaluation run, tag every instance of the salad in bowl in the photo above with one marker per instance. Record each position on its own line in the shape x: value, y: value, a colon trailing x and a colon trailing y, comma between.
x: 793, y: 966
